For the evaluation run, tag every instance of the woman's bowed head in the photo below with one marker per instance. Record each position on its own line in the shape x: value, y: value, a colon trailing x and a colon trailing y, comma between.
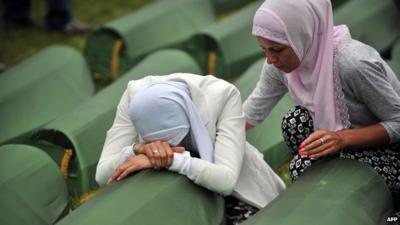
x: 164, y: 116
x: 279, y: 55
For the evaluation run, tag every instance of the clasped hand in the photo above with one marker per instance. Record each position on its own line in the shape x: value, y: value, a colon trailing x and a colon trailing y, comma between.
x: 156, y: 155
x: 321, y: 143
x: 160, y: 153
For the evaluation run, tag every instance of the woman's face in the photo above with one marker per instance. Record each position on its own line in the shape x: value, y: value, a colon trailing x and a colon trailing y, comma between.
x: 281, y: 56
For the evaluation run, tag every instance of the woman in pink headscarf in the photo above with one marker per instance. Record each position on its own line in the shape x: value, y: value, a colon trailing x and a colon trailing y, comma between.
x: 347, y: 98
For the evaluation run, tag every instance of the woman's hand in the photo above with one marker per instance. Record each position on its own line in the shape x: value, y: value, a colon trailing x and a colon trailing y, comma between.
x: 159, y: 153
x: 131, y: 165
x: 321, y: 143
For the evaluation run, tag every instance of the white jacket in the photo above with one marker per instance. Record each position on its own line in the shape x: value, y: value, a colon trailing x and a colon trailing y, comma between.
x: 238, y: 168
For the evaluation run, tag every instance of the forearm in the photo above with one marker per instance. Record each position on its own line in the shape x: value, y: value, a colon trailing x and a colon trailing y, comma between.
x: 138, y: 149
x: 219, y: 178
x: 374, y: 135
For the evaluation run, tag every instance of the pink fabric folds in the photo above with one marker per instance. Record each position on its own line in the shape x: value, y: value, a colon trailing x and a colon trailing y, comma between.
x: 307, y: 27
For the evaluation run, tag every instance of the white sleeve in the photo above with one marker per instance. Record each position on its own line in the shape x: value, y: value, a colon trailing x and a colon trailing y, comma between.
x: 119, y: 136
x: 182, y: 164
x: 222, y: 175
x: 126, y: 152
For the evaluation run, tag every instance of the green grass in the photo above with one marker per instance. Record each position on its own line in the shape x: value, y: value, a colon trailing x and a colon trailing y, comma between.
x: 19, y: 44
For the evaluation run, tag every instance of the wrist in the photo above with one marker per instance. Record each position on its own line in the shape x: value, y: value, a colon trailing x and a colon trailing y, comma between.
x: 137, y: 149
x: 343, y: 143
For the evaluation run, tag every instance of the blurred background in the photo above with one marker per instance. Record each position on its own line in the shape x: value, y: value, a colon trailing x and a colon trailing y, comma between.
x: 18, y: 44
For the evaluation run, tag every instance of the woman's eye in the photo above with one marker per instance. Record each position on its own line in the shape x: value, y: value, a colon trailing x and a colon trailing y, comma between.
x: 277, y: 50
x: 273, y: 50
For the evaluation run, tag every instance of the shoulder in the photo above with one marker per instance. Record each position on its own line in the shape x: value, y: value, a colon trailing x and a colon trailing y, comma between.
x: 209, y: 85
x: 358, y: 62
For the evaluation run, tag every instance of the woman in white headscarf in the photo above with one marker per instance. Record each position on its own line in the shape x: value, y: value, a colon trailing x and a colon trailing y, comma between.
x: 193, y: 125
x: 347, y: 97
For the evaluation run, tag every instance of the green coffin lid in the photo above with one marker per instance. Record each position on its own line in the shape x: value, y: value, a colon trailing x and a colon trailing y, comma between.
x: 374, y: 22
x: 150, y: 198
x: 266, y: 137
x: 337, y: 3
x: 231, y: 42
x: 223, y: 6
x: 164, y: 23
x: 395, y: 53
x: 332, y: 192
x: 394, y: 62
x: 32, y: 189
x: 41, y: 88
x: 84, y: 129
x: 395, y: 66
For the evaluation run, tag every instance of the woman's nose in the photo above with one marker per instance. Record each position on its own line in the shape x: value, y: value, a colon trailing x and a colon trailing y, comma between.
x: 271, y: 59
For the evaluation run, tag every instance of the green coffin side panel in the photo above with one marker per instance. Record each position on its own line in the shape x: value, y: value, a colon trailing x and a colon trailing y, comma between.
x: 266, y: 137
x: 337, y: 3
x: 395, y: 52
x: 149, y: 198
x: 231, y: 41
x: 395, y: 66
x: 41, y: 88
x: 164, y: 23
x: 84, y: 129
x: 32, y: 189
x: 332, y: 192
x: 373, y: 22
x: 223, y: 6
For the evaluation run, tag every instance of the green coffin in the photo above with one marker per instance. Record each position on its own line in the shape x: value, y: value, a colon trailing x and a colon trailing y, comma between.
x: 164, y: 23
x: 32, y: 190
x: 374, y: 22
x: 395, y: 52
x: 395, y: 66
x: 266, y: 137
x: 150, y: 198
x: 337, y: 3
x: 39, y: 89
x: 223, y: 6
x: 227, y: 48
x: 397, y: 2
x: 84, y: 129
x: 332, y: 192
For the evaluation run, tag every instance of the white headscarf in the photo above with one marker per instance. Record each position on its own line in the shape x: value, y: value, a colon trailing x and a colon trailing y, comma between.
x: 165, y: 111
x: 307, y: 27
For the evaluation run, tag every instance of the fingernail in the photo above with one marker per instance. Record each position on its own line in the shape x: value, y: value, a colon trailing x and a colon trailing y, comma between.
x: 302, y: 149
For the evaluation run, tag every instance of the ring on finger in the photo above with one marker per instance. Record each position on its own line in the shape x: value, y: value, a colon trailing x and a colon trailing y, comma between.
x: 322, y: 140
x: 155, y: 151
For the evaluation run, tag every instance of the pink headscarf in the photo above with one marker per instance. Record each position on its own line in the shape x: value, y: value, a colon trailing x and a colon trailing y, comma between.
x: 307, y: 27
